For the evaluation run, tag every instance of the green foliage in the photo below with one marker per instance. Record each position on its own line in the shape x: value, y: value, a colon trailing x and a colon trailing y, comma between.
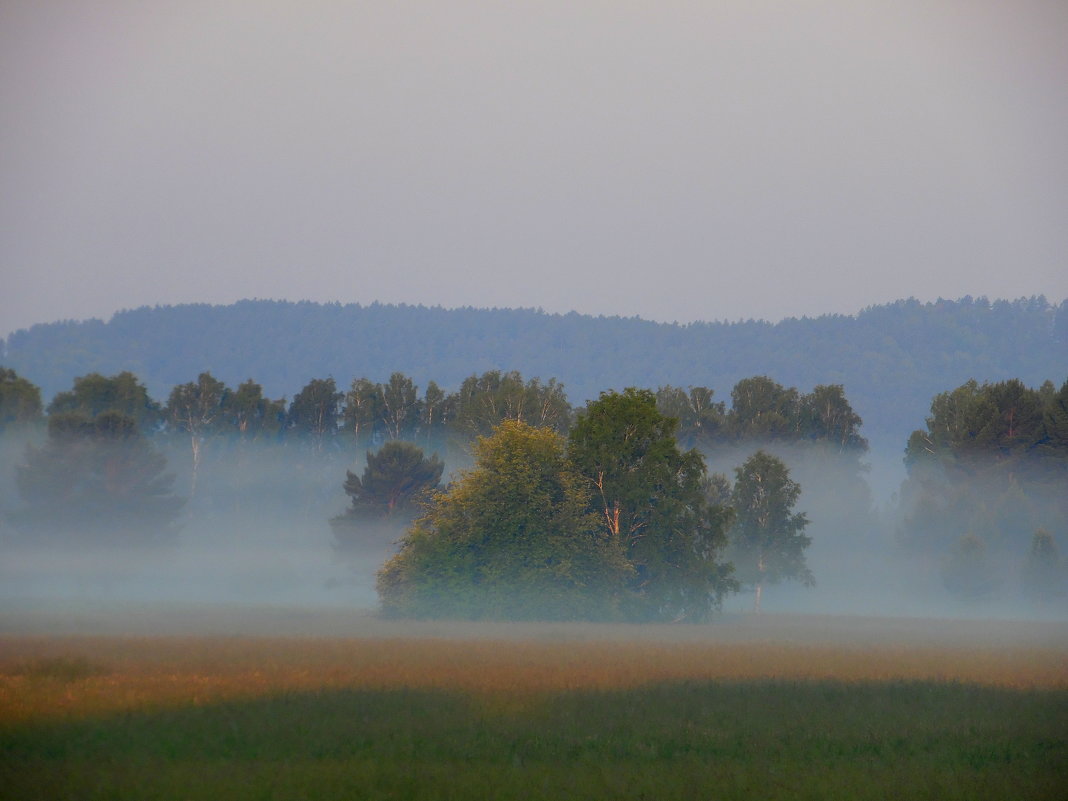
x: 96, y: 480
x: 977, y: 429
x: 395, y: 476
x: 483, y: 402
x: 993, y: 461
x: 95, y: 394
x: 511, y: 539
x: 1054, y: 444
x: 651, y: 501
x: 315, y: 410
x: 250, y: 415
x: 392, y: 410
x: 20, y: 401
x: 767, y: 541
x: 702, y: 422
x: 762, y: 409
x: 197, y: 408
x: 827, y: 417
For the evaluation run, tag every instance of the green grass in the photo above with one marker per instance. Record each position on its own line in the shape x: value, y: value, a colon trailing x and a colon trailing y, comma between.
x: 685, y: 740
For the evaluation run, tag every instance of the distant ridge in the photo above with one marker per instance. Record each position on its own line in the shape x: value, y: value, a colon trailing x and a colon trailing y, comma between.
x: 891, y: 358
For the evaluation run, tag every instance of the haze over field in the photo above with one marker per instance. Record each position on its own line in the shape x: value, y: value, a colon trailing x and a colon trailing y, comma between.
x: 678, y: 161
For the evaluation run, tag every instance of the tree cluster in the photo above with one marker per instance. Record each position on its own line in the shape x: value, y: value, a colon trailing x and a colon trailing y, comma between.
x: 97, y: 477
x: 763, y: 410
x: 615, y: 521
x: 988, y: 472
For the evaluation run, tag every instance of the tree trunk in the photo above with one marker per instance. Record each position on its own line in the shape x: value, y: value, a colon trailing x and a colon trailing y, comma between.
x: 759, y: 584
x: 195, y: 441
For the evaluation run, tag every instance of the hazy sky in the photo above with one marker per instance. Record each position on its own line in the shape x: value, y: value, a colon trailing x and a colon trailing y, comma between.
x: 675, y: 160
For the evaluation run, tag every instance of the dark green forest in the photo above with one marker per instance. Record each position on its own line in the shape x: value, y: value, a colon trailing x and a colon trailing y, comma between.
x: 891, y: 359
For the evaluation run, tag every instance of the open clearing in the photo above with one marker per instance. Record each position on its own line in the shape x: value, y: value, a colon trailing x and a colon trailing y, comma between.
x: 254, y: 703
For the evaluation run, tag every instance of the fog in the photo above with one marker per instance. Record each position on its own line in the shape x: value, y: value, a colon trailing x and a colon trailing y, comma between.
x: 256, y: 535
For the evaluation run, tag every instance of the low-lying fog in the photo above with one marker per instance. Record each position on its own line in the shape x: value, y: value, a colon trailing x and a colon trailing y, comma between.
x: 259, y: 536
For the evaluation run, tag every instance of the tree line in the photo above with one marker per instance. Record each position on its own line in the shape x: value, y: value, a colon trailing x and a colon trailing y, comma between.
x: 987, y: 478
x: 370, y: 413
x: 892, y: 357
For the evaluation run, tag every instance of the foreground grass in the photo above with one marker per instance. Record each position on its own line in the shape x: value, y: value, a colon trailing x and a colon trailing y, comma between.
x: 116, y: 718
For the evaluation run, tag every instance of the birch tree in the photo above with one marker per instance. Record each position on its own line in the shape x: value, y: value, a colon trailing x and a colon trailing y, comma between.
x: 767, y: 540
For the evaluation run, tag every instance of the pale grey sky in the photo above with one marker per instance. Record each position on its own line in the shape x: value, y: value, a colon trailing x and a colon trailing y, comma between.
x: 675, y: 160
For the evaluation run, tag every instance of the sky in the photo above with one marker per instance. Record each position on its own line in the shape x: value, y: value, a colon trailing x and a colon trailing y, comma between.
x: 673, y: 160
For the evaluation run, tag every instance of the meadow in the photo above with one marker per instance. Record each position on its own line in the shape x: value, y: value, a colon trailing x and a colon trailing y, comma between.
x: 776, y: 707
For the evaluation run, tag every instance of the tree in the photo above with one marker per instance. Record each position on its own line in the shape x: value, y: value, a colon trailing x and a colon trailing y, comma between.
x: 250, y: 415
x: 315, y: 409
x: 395, y: 479
x: 484, y: 401
x: 362, y: 409
x: 767, y: 540
x: 197, y: 409
x: 394, y: 476
x: 700, y: 419
x: 513, y: 538
x: 94, y: 394
x: 650, y: 498
x: 400, y: 406
x: 763, y: 409
x: 828, y: 417
x: 97, y: 480
x: 434, y: 411
x: 20, y: 401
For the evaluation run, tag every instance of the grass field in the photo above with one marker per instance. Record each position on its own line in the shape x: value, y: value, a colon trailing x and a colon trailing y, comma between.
x: 769, y: 708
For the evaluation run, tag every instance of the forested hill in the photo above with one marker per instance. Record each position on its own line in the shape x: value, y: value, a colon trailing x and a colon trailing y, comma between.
x: 891, y: 359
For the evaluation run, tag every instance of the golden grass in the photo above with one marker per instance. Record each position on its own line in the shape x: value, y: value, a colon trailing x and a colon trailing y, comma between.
x: 117, y: 674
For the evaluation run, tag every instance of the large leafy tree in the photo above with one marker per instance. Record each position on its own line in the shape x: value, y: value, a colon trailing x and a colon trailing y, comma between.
x: 826, y: 416
x: 651, y: 500
x: 94, y: 394
x: 20, y: 400
x: 96, y: 480
x: 513, y: 538
x: 763, y: 409
x: 767, y: 539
